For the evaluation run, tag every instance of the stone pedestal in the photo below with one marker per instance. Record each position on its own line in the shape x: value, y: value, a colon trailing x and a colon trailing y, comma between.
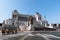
x: 32, y: 28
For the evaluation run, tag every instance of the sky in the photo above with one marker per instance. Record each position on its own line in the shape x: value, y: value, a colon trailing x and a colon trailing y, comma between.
x: 48, y: 8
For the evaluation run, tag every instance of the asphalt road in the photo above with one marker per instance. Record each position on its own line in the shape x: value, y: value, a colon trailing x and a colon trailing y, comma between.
x: 38, y: 35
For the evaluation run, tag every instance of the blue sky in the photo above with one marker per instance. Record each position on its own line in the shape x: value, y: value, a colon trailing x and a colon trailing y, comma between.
x: 48, y: 8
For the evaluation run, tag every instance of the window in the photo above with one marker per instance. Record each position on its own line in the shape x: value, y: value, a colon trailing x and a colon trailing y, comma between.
x: 39, y: 18
x: 59, y: 25
x: 22, y: 19
x: 0, y: 24
x: 14, y: 16
x: 54, y: 24
x: 47, y: 24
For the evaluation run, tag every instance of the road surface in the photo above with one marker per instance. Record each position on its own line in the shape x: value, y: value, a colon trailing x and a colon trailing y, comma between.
x: 38, y: 35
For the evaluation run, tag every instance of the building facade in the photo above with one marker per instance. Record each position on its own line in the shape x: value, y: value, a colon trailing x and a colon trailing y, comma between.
x: 26, y: 22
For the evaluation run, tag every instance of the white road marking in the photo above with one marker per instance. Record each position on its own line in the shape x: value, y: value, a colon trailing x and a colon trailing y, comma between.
x: 12, y: 35
x: 1, y: 39
x: 50, y: 36
x: 42, y: 36
x: 26, y: 34
x: 47, y: 36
